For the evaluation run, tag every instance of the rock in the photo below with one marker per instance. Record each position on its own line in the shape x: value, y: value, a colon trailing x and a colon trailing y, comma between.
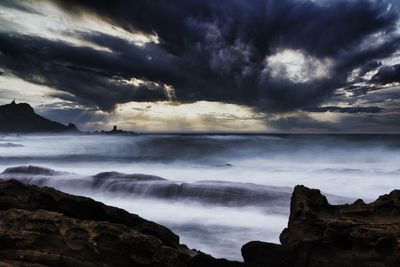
x: 52, y: 239
x: 321, y: 234
x: 16, y: 195
x: 260, y: 254
x: 21, y: 118
x: 205, y: 260
x: 129, y: 177
x: 41, y: 227
x: 31, y: 170
x: 45, y: 227
x: 306, y: 205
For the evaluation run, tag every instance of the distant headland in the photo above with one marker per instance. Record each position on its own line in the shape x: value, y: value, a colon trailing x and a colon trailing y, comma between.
x: 21, y: 118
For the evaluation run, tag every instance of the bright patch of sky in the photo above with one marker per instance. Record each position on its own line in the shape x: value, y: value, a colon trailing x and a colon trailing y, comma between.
x: 297, y: 67
x: 200, y: 116
x: 12, y: 88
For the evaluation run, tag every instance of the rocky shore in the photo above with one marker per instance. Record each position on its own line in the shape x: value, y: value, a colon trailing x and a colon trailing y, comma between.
x: 45, y: 227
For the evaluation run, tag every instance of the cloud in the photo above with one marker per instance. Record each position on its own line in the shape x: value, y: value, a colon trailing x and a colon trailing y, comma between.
x: 371, y: 109
x: 89, y: 76
x: 297, y: 67
x: 227, y: 51
x: 19, y: 5
x: 387, y: 74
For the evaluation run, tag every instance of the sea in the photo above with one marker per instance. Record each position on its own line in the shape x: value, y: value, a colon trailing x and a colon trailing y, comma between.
x: 216, y: 191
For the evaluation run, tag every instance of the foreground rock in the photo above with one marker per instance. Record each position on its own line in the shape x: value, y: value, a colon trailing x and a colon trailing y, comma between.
x: 52, y: 239
x: 320, y: 234
x: 45, y: 227
x: 50, y: 228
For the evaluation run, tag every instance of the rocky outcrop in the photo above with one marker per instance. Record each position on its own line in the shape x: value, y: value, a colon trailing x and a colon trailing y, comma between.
x: 321, y: 234
x: 45, y: 227
x: 44, y: 238
x: 50, y: 228
x: 21, y: 118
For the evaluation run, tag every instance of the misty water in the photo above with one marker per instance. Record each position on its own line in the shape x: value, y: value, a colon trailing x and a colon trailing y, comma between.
x: 216, y: 192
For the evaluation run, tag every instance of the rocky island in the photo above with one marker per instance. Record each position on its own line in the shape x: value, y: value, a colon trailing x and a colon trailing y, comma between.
x: 40, y: 226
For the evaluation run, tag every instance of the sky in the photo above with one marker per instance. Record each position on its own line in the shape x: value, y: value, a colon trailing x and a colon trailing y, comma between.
x: 296, y: 66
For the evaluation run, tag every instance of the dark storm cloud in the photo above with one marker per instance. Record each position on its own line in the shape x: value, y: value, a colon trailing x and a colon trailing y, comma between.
x: 208, y: 50
x: 364, y: 58
x: 387, y: 74
x: 371, y: 109
x: 373, y: 65
x: 264, y: 23
x: 86, y: 75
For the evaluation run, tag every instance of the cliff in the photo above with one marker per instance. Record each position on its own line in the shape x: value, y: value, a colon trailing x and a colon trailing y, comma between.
x: 21, y: 118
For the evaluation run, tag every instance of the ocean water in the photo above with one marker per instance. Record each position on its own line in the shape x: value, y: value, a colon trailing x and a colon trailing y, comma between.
x: 216, y: 192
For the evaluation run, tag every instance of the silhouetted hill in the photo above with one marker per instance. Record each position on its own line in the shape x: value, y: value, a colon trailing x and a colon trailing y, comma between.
x: 22, y: 118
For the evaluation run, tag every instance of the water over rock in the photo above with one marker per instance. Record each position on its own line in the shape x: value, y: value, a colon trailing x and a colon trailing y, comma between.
x: 10, y: 145
x: 150, y: 186
x: 30, y: 169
